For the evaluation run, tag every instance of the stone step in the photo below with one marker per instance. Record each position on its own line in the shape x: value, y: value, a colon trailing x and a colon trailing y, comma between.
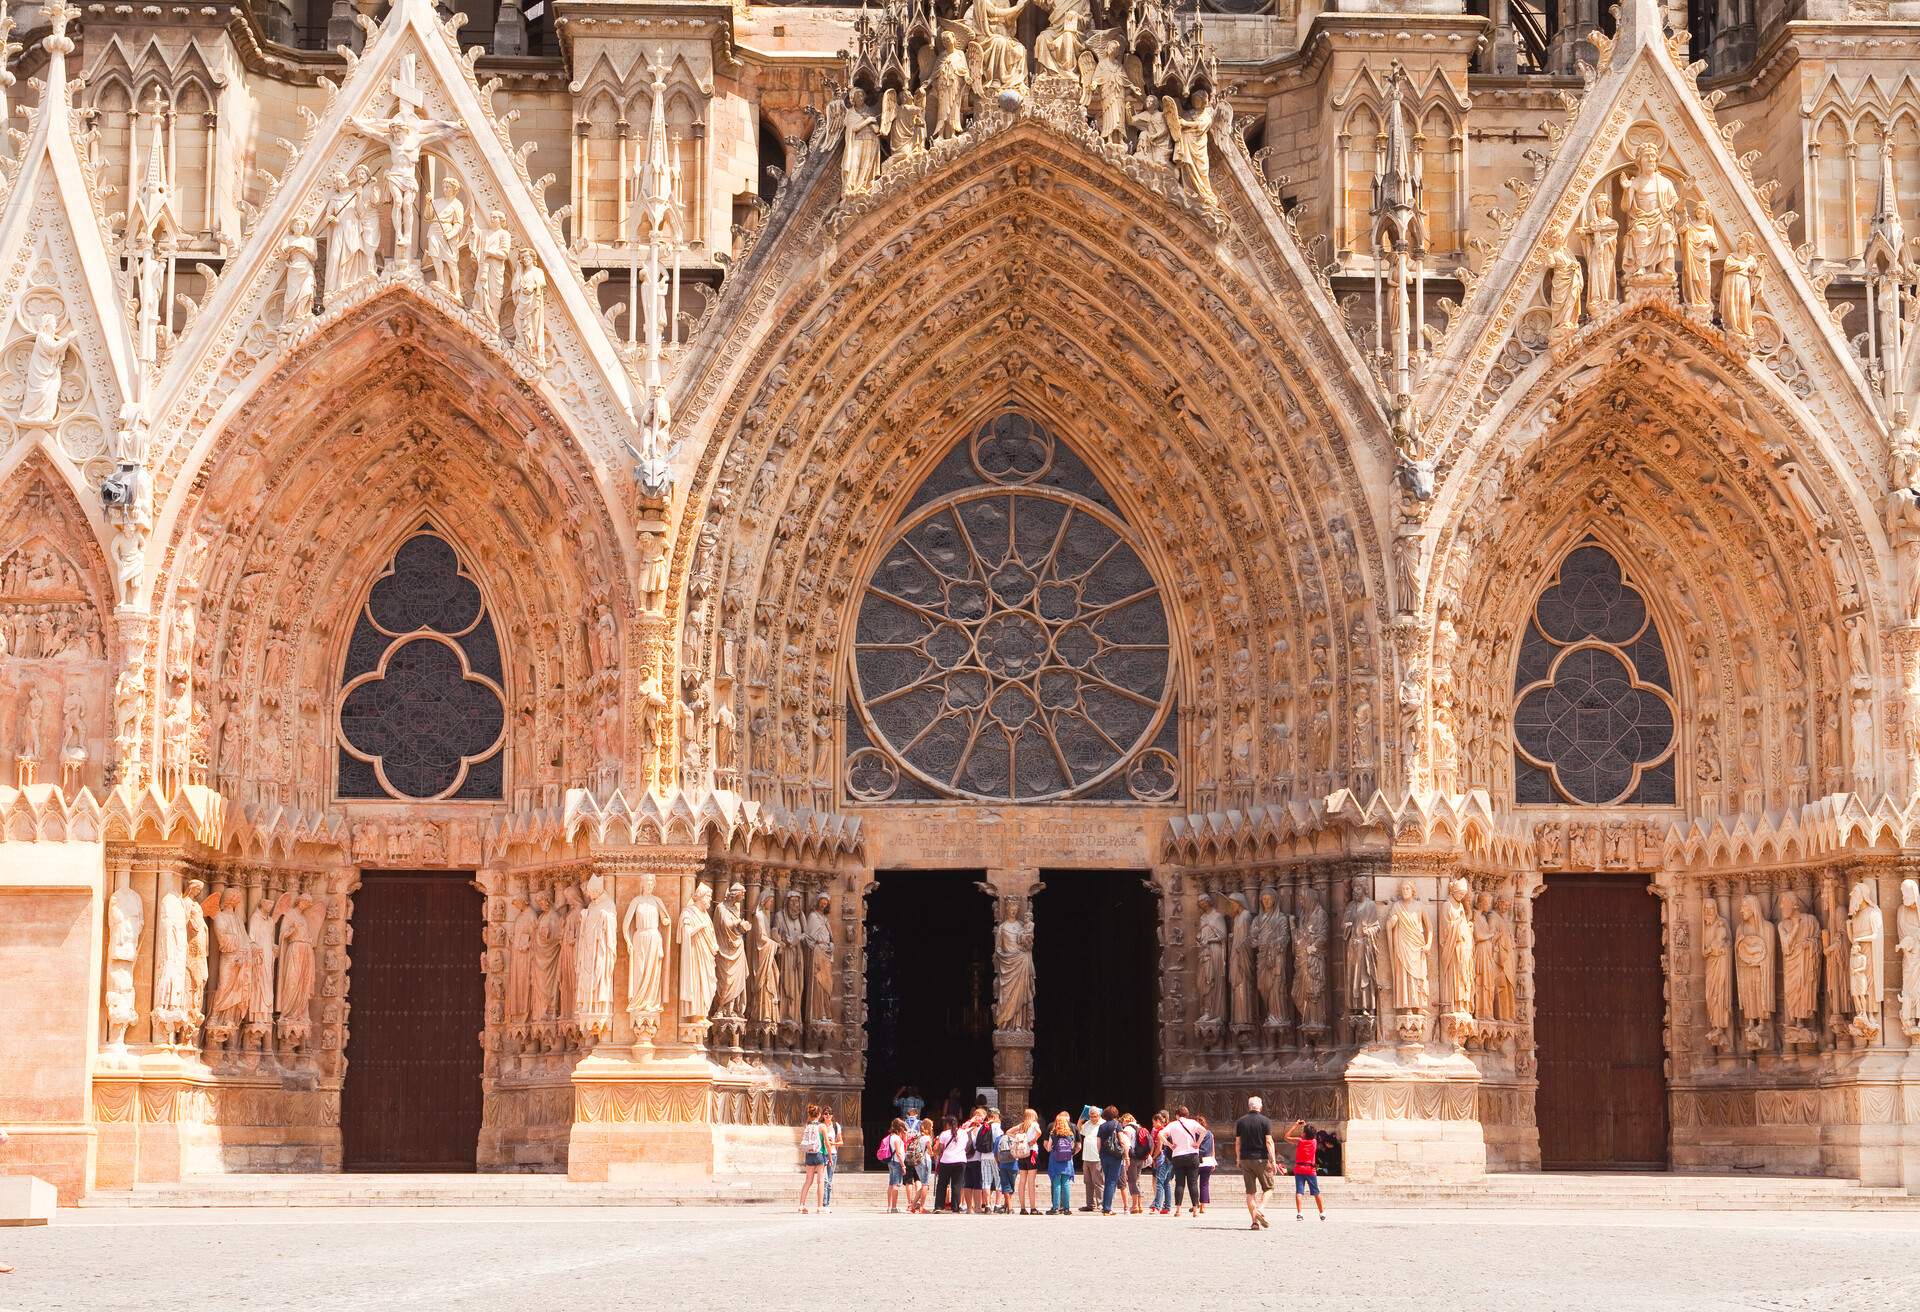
x: 867, y: 1189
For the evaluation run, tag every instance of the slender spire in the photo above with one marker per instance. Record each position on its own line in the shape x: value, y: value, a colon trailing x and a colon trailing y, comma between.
x: 656, y: 297
x: 1399, y: 258
x: 1886, y: 235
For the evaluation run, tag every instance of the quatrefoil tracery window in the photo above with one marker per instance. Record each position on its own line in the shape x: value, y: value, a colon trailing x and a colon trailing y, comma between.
x: 422, y: 713
x: 1012, y: 644
x: 1594, y: 718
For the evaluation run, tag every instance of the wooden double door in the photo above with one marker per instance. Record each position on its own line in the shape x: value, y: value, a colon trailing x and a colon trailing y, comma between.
x: 417, y: 994
x: 1602, y: 1103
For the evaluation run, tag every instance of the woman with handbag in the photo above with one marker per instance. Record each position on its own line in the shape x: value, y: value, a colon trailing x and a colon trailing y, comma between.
x: 1060, y: 1165
x: 951, y: 1148
x: 1208, y: 1160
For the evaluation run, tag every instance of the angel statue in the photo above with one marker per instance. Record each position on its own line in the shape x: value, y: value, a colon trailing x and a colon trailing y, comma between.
x: 953, y: 82
x: 1003, y: 61
x: 1188, y: 137
x: 1103, y: 84
x: 1154, y: 145
x: 903, y: 122
x: 860, y: 163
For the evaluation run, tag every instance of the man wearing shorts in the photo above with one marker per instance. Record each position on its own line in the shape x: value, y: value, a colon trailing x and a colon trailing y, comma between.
x: 1253, y: 1136
x: 1306, y: 1167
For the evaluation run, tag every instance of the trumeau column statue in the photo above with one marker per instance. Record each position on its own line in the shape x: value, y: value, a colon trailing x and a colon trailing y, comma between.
x: 301, y: 920
x: 790, y: 930
x: 821, y: 1028
x: 646, y: 932
x: 1240, y: 970
x: 1013, y: 981
x: 1716, y: 957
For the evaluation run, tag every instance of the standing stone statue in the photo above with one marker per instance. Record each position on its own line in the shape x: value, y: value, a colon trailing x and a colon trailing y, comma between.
x: 522, y: 923
x: 1240, y: 967
x: 230, y: 993
x: 1866, y: 960
x: 1310, y: 968
x: 126, y: 917
x: 1409, y: 939
x: 406, y: 132
x: 698, y: 978
x: 646, y: 931
x: 1907, y: 942
x: 301, y: 919
x: 567, y: 904
x: 1698, y: 246
x: 1740, y: 279
x: 1211, y: 941
x: 45, y: 372
x: 1456, y: 954
x: 446, y: 229
x: 1834, y: 940
x: 1485, y: 974
x: 860, y: 161
x: 260, y: 971
x: 1602, y: 232
x: 730, y: 955
x: 549, y: 932
x: 1506, y: 989
x: 301, y: 250
x: 763, y: 972
x: 171, y: 1002
x: 1362, y: 922
x: 1013, y: 970
x: 1753, y: 970
x: 593, y: 961
x: 530, y: 307
x: 1716, y: 958
x: 820, y: 968
x: 1271, y: 931
x: 790, y: 928
x: 492, y: 253
x: 1799, y: 967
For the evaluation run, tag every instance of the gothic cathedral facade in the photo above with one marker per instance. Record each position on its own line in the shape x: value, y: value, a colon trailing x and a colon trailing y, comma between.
x: 532, y: 537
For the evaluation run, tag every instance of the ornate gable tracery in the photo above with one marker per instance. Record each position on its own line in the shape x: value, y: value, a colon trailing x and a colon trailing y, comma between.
x: 330, y: 233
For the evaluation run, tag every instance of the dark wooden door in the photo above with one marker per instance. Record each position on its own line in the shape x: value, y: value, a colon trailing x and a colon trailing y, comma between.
x: 417, y: 1001
x: 1603, y: 1088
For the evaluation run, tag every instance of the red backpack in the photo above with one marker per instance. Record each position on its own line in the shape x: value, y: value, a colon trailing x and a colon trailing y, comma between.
x: 1304, y: 1150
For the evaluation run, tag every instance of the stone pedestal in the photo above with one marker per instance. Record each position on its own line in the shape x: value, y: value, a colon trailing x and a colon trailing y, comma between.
x: 26, y: 1200
x: 650, y: 1118
x: 1414, y: 1118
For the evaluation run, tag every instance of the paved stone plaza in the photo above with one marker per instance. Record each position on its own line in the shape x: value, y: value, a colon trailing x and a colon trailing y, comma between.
x: 399, y: 1259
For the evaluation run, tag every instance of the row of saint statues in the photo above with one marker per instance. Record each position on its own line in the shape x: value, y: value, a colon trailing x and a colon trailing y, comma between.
x: 1265, y: 971
x: 1765, y: 971
x: 265, y: 968
x: 763, y: 975
x: 1662, y: 245
x: 979, y: 59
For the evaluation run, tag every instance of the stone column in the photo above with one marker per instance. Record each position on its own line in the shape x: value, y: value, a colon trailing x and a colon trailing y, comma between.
x: 1013, y: 887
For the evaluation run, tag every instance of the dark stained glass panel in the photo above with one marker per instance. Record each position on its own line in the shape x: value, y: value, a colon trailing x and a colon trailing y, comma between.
x: 421, y: 711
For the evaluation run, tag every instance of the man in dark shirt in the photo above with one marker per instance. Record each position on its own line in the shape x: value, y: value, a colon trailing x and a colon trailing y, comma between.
x: 1253, y: 1134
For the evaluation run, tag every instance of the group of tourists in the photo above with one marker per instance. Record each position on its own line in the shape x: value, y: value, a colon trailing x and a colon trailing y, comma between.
x: 980, y: 1164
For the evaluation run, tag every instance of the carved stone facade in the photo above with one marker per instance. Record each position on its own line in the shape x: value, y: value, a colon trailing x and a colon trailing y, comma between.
x: 1361, y: 475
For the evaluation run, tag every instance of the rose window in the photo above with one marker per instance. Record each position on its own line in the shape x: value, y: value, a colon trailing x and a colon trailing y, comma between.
x: 422, y: 713
x: 1593, y: 718
x: 1012, y: 643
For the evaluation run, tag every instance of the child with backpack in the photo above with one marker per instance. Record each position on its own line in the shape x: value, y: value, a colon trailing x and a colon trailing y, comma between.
x: 1060, y: 1165
x: 918, y: 1167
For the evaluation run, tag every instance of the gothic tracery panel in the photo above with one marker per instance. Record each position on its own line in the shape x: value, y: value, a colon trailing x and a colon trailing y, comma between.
x: 1594, y: 720
x: 422, y: 714
x: 1012, y: 644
